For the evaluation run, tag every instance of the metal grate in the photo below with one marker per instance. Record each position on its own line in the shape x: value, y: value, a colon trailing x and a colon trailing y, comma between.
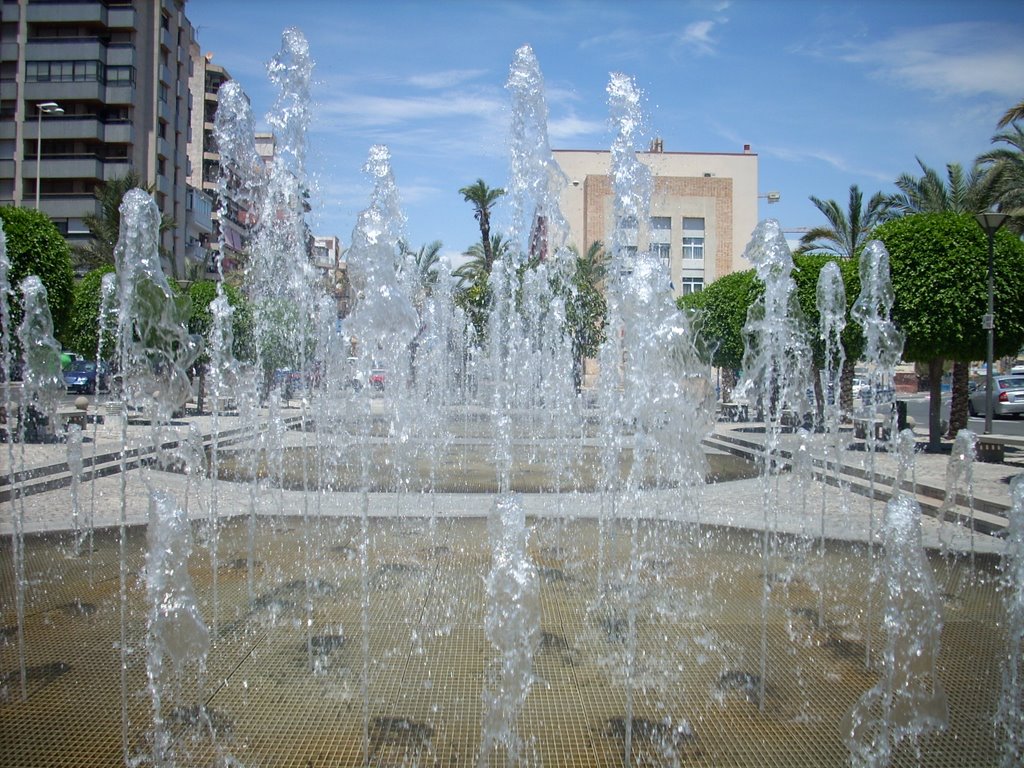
x: 697, y: 618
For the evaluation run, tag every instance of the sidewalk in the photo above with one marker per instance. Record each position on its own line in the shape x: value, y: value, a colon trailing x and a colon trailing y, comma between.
x: 845, y: 512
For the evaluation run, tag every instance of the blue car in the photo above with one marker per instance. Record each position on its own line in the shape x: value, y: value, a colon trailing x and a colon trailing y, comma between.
x: 86, y: 376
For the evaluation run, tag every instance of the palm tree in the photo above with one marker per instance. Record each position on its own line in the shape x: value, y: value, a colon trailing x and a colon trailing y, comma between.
x: 1013, y: 114
x: 959, y: 193
x: 478, y: 269
x: 592, y: 266
x: 847, y: 232
x: 1009, y: 186
x: 427, y: 263
x: 483, y: 199
x: 106, y: 225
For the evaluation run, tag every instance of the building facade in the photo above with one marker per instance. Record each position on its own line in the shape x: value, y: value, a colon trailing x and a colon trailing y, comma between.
x: 89, y: 91
x: 703, y: 209
x: 232, y: 221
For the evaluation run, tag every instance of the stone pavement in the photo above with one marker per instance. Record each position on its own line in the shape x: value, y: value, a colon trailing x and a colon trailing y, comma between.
x: 836, y: 504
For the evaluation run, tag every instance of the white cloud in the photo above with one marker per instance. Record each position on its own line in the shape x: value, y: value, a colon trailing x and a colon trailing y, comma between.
x: 566, y: 129
x: 697, y: 35
x: 956, y: 59
x: 449, y: 78
x: 372, y: 110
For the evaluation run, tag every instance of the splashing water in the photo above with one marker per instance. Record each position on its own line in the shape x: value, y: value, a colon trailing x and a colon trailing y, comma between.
x: 960, y: 483
x: 908, y: 701
x: 176, y: 634
x: 1009, y: 720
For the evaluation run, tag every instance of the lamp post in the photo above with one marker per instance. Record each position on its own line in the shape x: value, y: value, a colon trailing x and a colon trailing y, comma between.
x: 50, y: 108
x: 990, y: 221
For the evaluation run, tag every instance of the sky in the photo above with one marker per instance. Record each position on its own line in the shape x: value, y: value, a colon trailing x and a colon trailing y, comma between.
x: 828, y: 94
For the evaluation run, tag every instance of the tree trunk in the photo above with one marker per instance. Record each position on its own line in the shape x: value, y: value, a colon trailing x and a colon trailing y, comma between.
x: 958, y: 401
x: 934, y: 405
x: 846, y: 387
x: 728, y: 384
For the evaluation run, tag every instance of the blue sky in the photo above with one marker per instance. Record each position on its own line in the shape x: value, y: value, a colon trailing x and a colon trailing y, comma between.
x: 828, y: 94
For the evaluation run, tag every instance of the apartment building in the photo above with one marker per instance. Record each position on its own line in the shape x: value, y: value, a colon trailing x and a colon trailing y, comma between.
x: 703, y: 209
x: 89, y: 90
x: 232, y: 220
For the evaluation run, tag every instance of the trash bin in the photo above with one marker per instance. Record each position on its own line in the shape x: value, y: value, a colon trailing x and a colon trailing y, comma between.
x: 901, y: 415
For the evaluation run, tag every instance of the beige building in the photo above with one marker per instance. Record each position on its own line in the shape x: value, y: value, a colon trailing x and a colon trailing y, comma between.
x: 703, y: 209
x: 96, y: 88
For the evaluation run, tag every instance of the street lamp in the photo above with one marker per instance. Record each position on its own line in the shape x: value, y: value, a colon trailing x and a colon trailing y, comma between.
x: 50, y: 108
x: 990, y: 221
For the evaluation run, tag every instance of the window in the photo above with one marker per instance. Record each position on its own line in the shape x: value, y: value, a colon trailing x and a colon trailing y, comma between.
x: 662, y: 251
x: 165, y: 21
x: 161, y: 166
x: 691, y: 285
x: 161, y: 129
x: 62, y: 71
x: 164, y: 93
x: 693, y: 239
x: 661, y: 238
x: 120, y: 75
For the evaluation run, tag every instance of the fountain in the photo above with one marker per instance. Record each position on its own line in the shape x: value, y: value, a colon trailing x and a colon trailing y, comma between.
x: 474, y: 563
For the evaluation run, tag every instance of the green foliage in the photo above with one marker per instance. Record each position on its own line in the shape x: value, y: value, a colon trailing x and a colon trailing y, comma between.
x: 847, y: 231
x: 201, y: 293
x: 35, y: 247
x: 83, y: 328
x: 808, y: 268
x: 285, y: 336
x: 721, y: 310
x: 939, y: 267
x: 475, y: 300
x: 106, y: 226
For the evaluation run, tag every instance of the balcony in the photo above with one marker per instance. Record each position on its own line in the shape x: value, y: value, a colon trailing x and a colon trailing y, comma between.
x: 63, y: 206
x: 65, y: 167
x: 121, y: 55
x: 121, y: 17
x: 115, y: 169
x: 89, y: 90
x: 118, y: 133
x: 55, y: 13
x: 120, y: 94
x: 66, y: 49
x: 9, y: 51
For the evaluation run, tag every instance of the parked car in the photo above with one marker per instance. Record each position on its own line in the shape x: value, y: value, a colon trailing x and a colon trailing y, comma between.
x: 86, y: 376
x: 1007, y: 397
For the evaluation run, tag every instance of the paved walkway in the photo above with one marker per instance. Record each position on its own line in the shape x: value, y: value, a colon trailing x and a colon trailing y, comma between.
x: 836, y: 504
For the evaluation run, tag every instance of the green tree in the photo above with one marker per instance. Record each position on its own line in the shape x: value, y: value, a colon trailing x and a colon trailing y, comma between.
x: 202, y: 293
x: 105, y: 226
x: 847, y: 231
x: 960, y: 192
x: 426, y: 263
x: 721, y: 310
x: 938, y: 263
x: 585, y: 307
x: 808, y: 269
x: 473, y: 291
x: 83, y: 327
x: 35, y: 247
x: 483, y: 199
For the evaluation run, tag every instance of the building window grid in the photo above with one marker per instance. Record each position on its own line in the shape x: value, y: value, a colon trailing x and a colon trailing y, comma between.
x: 661, y: 239
x: 690, y: 285
x: 693, y: 239
x: 78, y: 71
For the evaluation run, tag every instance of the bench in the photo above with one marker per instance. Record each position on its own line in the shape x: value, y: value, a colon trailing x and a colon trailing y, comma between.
x: 734, y: 411
x: 880, y: 428
x: 991, y: 449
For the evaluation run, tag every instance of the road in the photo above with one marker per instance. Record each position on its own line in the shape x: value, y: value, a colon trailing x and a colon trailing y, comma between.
x: 917, y: 408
